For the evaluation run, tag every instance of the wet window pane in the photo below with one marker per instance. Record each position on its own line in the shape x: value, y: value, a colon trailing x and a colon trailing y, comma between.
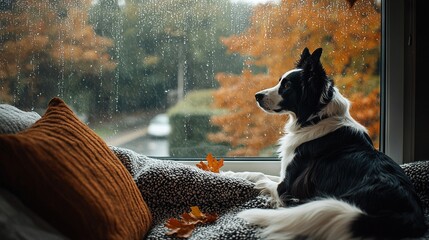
x: 177, y: 77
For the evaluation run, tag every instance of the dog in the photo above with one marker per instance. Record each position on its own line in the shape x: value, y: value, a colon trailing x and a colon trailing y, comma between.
x: 333, y: 183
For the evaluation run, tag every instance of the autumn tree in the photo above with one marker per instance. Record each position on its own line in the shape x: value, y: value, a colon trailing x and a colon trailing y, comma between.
x: 350, y: 38
x: 48, y: 49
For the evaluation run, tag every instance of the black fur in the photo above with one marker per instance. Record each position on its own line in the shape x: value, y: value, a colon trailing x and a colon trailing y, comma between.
x: 344, y: 164
x: 302, y: 90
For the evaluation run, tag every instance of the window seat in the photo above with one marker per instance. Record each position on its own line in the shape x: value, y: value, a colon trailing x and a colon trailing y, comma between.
x: 169, y: 188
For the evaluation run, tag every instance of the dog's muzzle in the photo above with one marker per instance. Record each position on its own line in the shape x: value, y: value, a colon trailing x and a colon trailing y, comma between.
x: 262, y: 102
x: 259, y: 97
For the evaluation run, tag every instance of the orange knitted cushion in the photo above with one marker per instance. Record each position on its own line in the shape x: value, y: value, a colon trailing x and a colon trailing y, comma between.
x: 68, y: 175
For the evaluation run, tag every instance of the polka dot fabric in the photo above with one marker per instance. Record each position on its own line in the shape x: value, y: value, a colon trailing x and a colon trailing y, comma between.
x: 170, y: 188
x: 419, y: 175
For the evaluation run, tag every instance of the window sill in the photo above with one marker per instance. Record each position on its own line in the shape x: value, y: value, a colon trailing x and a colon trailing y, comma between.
x: 266, y: 165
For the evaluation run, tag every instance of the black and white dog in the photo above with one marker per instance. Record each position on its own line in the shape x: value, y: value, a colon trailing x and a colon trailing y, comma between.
x: 333, y: 183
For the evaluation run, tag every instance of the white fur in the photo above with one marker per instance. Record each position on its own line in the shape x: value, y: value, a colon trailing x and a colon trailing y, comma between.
x: 267, y: 184
x: 324, y: 219
x: 252, y: 176
x: 338, y: 116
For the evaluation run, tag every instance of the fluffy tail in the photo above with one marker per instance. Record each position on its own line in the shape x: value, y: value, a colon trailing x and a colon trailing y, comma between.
x: 323, y: 219
x: 330, y: 219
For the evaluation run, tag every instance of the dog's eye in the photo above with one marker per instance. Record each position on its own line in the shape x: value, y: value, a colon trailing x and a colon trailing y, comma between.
x: 287, y: 85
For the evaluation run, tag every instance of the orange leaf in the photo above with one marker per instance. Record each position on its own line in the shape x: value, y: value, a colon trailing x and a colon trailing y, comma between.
x: 213, y: 165
x: 183, y: 228
x: 202, y: 217
x: 195, y: 211
x: 180, y: 228
x: 203, y: 166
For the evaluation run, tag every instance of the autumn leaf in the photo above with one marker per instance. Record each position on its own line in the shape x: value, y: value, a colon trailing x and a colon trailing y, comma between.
x: 183, y: 228
x: 213, y: 165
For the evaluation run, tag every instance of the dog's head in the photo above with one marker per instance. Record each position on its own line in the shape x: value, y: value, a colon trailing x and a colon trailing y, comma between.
x: 303, y: 91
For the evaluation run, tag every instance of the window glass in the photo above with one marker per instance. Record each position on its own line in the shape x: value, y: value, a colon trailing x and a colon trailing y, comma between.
x: 177, y: 77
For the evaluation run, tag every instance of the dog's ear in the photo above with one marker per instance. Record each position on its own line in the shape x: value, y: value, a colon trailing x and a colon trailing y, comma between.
x: 315, y: 56
x: 314, y: 67
x: 314, y: 82
x: 304, y: 56
x: 314, y: 74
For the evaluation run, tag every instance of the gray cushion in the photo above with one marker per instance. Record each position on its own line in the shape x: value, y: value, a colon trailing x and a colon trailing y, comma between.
x: 17, y: 222
x: 13, y: 120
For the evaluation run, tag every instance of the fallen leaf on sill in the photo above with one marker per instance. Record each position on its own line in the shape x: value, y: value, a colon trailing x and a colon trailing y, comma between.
x: 213, y: 165
x: 183, y: 228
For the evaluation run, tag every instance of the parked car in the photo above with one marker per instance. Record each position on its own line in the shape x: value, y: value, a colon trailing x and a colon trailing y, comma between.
x: 159, y: 126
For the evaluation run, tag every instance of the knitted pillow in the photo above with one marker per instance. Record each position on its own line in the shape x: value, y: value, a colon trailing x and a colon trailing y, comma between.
x: 68, y: 175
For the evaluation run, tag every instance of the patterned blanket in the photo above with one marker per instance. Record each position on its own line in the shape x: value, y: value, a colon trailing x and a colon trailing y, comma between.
x: 170, y: 188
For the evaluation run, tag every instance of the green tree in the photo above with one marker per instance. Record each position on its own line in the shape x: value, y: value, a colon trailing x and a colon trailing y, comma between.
x: 161, y: 41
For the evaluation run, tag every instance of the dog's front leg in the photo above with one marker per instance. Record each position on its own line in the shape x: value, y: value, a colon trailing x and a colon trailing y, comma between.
x: 252, y: 176
x: 269, y: 188
x: 266, y: 184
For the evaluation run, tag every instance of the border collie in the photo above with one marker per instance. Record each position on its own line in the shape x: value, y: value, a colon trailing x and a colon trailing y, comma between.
x: 333, y: 183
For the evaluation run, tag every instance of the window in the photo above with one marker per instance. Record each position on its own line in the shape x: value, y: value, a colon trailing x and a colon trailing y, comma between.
x: 122, y: 64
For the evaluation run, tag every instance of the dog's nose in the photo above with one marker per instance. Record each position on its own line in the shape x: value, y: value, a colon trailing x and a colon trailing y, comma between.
x: 259, y: 97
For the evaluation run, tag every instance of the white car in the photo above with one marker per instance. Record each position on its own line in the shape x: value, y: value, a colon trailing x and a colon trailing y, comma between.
x: 159, y: 126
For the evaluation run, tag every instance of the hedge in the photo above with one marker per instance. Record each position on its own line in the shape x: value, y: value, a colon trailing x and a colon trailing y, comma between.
x: 190, y: 123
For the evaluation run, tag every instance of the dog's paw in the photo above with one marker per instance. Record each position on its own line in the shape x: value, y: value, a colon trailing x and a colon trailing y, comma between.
x: 266, y: 187
x: 275, y: 203
x: 250, y: 176
x: 269, y: 188
x: 228, y: 173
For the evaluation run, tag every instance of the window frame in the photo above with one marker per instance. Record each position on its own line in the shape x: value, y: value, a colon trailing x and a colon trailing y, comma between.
x: 397, y: 106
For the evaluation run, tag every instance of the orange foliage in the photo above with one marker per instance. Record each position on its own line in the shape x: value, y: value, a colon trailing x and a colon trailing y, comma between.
x: 183, y: 228
x: 49, y: 38
x: 364, y: 111
x: 350, y: 38
x: 245, y: 124
x: 213, y: 165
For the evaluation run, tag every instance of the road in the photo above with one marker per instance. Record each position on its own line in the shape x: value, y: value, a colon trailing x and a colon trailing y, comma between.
x: 138, y: 141
x: 126, y: 137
